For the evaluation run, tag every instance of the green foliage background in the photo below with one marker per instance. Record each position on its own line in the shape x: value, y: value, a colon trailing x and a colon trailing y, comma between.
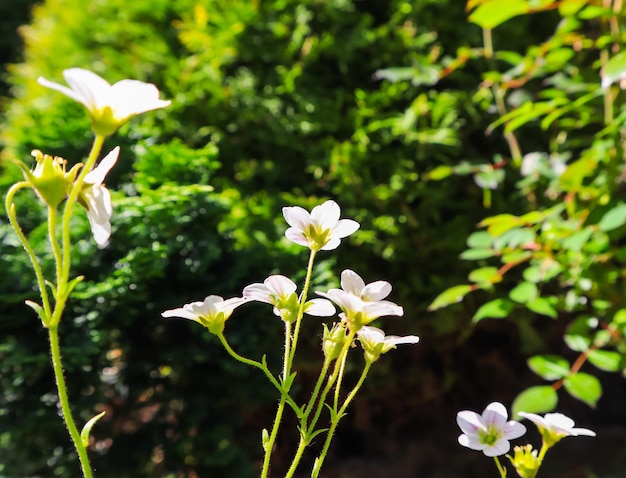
x: 274, y: 103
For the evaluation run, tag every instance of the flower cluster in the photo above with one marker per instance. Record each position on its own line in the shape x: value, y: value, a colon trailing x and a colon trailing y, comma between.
x: 361, y: 304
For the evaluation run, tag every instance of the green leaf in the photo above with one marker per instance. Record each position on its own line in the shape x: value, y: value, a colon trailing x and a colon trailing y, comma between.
x: 439, y: 173
x: 549, y: 367
x: 485, y: 274
x: 491, y: 14
x: 495, y: 309
x: 584, y: 387
x: 577, y: 241
x: 538, y: 399
x: 542, y: 306
x: 605, y: 360
x: 524, y: 292
x: 476, y: 254
x: 578, y: 334
x: 613, y: 219
x: 450, y: 296
x: 497, y: 225
x: 84, y: 434
x: 570, y: 7
x: 480, y: 240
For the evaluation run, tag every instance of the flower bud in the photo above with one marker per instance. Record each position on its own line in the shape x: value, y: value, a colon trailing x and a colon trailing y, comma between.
x: 49, y: 179
x: 333, y: 340
x: 525, y: 460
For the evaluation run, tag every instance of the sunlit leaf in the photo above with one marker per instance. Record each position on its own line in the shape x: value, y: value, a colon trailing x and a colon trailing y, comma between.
x: 491, y: 14
x: 613, y: 219
x: 549, y: 367
x: 584, y: 387
x: 524, y: 292
x: 495, y: 309
x: 538, y: 399
x: 450, y: 296
x: 605, y: 360
x: 542, y: 306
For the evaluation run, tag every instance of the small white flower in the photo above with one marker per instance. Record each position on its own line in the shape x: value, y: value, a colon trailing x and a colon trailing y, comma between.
x: 96, y: 198
x: 280, y: 291
x: 489, y: 432
x: 321, y: 229
x: 555, y: 426
x: 212, y: 312
x: 375, y: 343
x: 361, y: 304
x: 109, y: 106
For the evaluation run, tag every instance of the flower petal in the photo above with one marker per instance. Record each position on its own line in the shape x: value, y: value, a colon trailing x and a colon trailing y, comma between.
x: 280, y: 285
x: 352, y: 282
x: 326, y: 215
x: 495, y: 415
x: 258, y: 292
x: 297, y: 217
x: 469, y: 422
x: 97, y: 175
x: 376, y: 291
x: 344, y: 228
x: 132, y: 97
x: 513, y: 430
x: 319, y: 308
x: 89, y: 86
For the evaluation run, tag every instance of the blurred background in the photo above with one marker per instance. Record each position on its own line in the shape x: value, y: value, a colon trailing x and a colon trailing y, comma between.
x: 275, y: 103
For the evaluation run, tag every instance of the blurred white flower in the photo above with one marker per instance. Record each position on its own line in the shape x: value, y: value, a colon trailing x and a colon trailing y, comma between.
x: 555, y: 426
x: 321, y: 229
x: 375, y: 343
x: 212, y: 312
x: 109, y: 106
x: 489, y: 432
x: 360, y: 303
x: 280, y: 291
x: 96, y: 198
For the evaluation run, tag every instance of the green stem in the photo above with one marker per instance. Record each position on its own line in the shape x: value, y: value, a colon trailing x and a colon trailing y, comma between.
x: 335, y: 421
x: 501, y: 468
x: 11, y: 213
x: 316, y: 390
x: 289, y: 354
x: 260, y: 366
x: 303, y: 296
x: 55, y: 351
x: 56, y: 250
x: 69, y: 205
x: 298, y: 456
x: 498, y: 94
x: 331, y: 380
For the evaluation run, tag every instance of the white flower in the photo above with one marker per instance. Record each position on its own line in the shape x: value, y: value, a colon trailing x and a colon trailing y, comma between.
x: 321, y: 229
x: 555, y: 426
x: 212, y: 312
x: 109, y: 106
x: 361, y: 304
x: 489, y: 432
x: 96, y: 198
x: 280, y: 291
x: 375, y: 343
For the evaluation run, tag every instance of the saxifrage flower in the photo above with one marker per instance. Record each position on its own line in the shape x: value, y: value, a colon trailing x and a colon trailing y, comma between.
x: 375, y: 343
x: 555, y: 426
x: 280, y: 291
x: 96, y: 198
x: 360, y: 303
x: 109, y: 106
x: 321, y: 229
x: 212, y: 312
x: 489, y: 432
